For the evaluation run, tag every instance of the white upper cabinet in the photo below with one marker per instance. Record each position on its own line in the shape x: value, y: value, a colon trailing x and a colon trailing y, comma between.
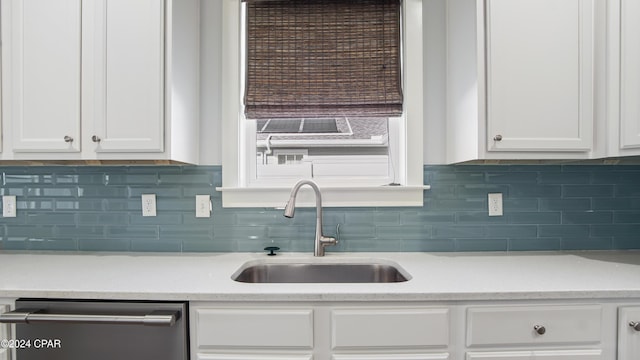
x: 101, y: 79
x: 520, y: 79
x: 126, y: 64
x: 42, y: 71
x: 539, y: 75
x: 624, y: 77
x: 630, y: 75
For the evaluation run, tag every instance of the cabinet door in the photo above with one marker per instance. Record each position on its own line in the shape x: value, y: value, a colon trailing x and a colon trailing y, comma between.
x: 630, y: 75
x: 125, y: 75
x: 385, y: 356
x: 389, y: 328
x: 516, y: 325
x: 529, y: 355
x: 628, y: 336
x: 539, y: 75
x: 224, y: 329
x: 43, y: 74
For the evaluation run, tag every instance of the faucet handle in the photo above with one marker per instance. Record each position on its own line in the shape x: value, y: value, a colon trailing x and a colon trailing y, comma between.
x: 328, y: 241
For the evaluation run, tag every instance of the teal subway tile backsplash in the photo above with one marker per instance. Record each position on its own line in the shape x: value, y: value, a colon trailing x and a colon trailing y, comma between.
x: 588, y: 217
x: 522, y: 190
x: 564, y: 231
x: 592, y: 243
x: 482, y: 244
x: 588, y: 191
x: 546, y: 207
x: 626, y: 217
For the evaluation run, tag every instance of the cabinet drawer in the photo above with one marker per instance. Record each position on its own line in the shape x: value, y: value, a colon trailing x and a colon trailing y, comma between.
x: 254, y: 328
x: 429, y: 356
x: 628, y: 336
x: 517, y: 325
x: 527, y: 355
x: 252, y: 357
x: 389, y: 328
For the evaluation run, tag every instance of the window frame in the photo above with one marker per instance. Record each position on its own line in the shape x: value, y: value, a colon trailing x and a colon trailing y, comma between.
x: 235, y: 190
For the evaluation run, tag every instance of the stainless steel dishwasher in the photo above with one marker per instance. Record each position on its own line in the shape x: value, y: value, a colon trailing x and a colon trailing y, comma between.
x: 99, y: 330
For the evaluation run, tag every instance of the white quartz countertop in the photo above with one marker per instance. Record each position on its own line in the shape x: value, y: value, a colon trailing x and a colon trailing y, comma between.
x: 434, y: 277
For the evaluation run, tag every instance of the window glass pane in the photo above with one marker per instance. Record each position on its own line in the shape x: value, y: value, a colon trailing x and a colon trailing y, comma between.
x: 323, y: 148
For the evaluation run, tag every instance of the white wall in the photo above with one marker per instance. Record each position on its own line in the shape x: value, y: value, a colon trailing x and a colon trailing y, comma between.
x: 434, y: 77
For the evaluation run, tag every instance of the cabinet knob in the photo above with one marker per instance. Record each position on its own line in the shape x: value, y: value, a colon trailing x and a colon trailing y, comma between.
x: 95, y: 138
x: 635, y: 325
x: 539, y: 329
x: 497, y: 138
x: 68, y: 139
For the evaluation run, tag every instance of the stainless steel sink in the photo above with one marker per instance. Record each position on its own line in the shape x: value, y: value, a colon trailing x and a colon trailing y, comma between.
x: 320, y: 273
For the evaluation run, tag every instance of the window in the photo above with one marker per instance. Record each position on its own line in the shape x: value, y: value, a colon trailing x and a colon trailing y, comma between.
x: 296, y: 128
x: 289, y: 159
x: 334, y: 149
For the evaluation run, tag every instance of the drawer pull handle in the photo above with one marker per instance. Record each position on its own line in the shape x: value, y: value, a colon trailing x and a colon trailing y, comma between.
x: 635, y: 325
x: 95, y: 139
x: 68, y: 139
x: 497, y: 138
x: 539, y: 329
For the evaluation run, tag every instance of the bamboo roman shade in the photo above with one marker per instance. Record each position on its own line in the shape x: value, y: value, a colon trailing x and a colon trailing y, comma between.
x: 319, y: 58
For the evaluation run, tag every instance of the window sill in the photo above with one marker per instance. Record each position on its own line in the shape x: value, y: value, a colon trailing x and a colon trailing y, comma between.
x: 332, y: 196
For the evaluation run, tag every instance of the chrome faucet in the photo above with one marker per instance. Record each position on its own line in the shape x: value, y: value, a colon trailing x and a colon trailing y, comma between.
x: 321, y: 241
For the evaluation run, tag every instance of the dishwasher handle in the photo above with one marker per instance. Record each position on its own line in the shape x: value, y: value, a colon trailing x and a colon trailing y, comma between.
x: 38, y: 316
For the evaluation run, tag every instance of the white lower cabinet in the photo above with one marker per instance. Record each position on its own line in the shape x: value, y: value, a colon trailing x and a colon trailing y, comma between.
x: 547, y: 355
x: 532, y: 331
x: 629, y: 333
x: 205, y: 356
x: 247, y: 333
x: 6, y: 331
x: 534, y: 325
x: 399, y: 333
x: 318, y: 331
x: 391, y: 357
x: 491, y: 330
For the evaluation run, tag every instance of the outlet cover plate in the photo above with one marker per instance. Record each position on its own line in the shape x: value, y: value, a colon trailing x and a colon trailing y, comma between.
x: 203, y: 206
x: 495, y: 204
x: 8, y: 206
x: 148, y: 204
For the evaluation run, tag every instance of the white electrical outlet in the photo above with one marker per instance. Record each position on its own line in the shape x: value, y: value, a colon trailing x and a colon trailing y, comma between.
x: 495, y: 204
x: 148, y: 204
x: 8, y: 206
x: 203, y: 206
